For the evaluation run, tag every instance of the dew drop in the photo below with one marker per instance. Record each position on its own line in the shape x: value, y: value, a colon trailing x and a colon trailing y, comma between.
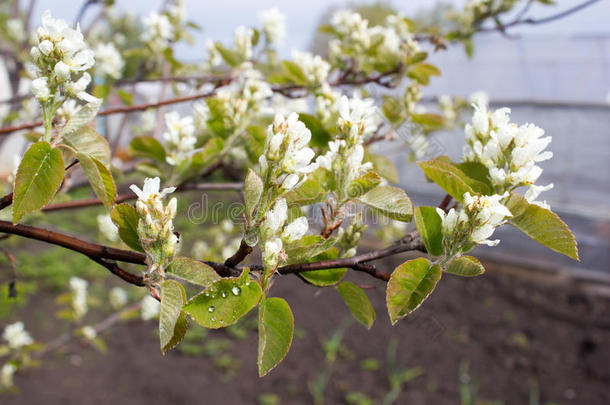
x: 224, y: 294
x: 236, y: 290
x: 211, y: 309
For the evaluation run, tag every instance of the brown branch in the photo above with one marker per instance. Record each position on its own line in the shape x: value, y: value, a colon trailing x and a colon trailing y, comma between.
x: 239, y: 256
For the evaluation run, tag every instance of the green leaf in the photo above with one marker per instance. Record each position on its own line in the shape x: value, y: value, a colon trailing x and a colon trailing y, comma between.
x: 383, y: 166
x: 224, y: 301
x: 125, y: 217
x: 125, y: 96
x: 428, y: 120
x: 83, y: 116
x: 363, y: 184
x: 392, y: 109
x: 275, y: 331
x: 87, y: 140
x: 192, y: 168
x: 254, y: 141
x: 477, y: 171
x: 308, y: 193
x: 229, y: 56
x: 448, y: 177
x: 421, y: 72
x: 147, y: 147
x: 192, y: 271
x: 308, y: 247
x: 294, y: 73
x: 546, y: 228
x: 410, y: 284
x: 173, y: 298
x: 428, y: 224
x: 99, y: 177
x: 357, y: 302
x: 253, y: 190
x: 319, y: 135
x: 38, y: 178
x: 327, y: 277
x: 465, y: 266
x: 390, y: 201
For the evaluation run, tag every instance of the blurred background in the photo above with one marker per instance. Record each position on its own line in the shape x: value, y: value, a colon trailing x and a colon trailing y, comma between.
x: 534, y: 330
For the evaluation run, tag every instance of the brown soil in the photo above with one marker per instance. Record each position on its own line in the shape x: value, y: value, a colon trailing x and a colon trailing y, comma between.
x: 514, y: 336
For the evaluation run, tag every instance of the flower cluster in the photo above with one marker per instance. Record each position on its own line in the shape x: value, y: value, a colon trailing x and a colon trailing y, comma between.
x: 510, y: 152
x: 315, y: 68
x: 88, y: 332
x: 242, y: 38
x: 473, y: 224
x: 274, y: 25
x: 370, y: 49
x: 155, y: 226
x: 274, y: 235
x: 61, y: 59
x: 158, y: 31
x: 150, y: 308
x: 179, y: 137
x: 118, y: 298
x: 287, y: 157
x: 78, y: 288
x: 16, y: 336
x: 109, y: 61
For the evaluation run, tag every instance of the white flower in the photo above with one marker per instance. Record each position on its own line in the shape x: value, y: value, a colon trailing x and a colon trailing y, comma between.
x: 78, y: 287
x: 272, y: 251
x: 534, y: 191
x: 214, y: 57
x: 488, y: 213
x: 200, y: 250
x: 315, y: 68
x: 16, y: 336
x: 158, y: 30
x: 109, y: 60
x: 275, y: 218
x: 150, y: 308
x: 118, y: 297
x: 40, y: 89
x: 274, y: 25
x: 180, y: 136
x: 295, y: 230
x: 243, y: 41
x: 89, y: 332
x: 15, y: 30
x: 6, y: 375
x: 358, y: 118
x: 107, y: 227
x: 150, y: 190
x: 479, y: 98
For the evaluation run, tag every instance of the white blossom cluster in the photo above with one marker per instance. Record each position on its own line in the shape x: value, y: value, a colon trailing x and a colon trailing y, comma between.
x: 370, y: 47
x: 61, y: 58
x: 287, y: 157
x: 509, y: 151
x: 78, y: 288
x: 274, y: 25
x: 155, y: 226
x: 179, y: 137
x: 107, y: 228
x: 150, y: 308
x: 88, y: 332
x: 118, y: 297
x: 316, y: 69
x: 109, y: 60
x: 158, y: 31
x: 6, y: 375
x: 242, y: 38
x: 275, y: 235
x: 474, y: 223
x: 16, y: 336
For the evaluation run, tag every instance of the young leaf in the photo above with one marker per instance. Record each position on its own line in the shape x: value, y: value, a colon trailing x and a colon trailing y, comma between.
x: 547, y: 228
x: 409, y: 285
x: 465, y: 266
x: 308, y: 193
x: 390, y: 201
x: 81, y: 117
x: 448, y: 177
x: 363, y: 184
x: 327, y: 277
x: 125, y: 217
x: 87, y: 140
x: 38, y: 178
x: 309, y: 246
x: 147, y: 147
x: 428, y: 225
x: 275, y: 330
x: 192, y: 271
x: 357, y: 302
x: 254, y: 190
x: 99, y: 177
x: 224, y: 301
x: 383, y: 166
x: 428, y: 120
x: 294, y: 73
x: 227, y: 55
x: 173, y: 298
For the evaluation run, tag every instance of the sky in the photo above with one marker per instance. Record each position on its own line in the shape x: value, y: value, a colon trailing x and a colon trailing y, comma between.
x: 219, y: 18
